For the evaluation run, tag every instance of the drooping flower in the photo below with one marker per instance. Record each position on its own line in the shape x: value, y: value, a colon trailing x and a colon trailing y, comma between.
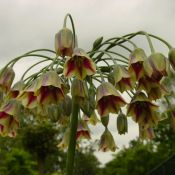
x: 154, y: 89
x: 136, y: 59
x: 27, y: 96
x: 7, y: 76
x: 64, y: 42
x: 142, y: 110
x: 82, y: 130
x: 107, y: 142
x: 65, y: 140
x: 146, y: 133
x: 48, y: 89
x: 156, y: 66
x: 8, y: 118
x: 108, y: 99
x: 122, y: 79
x: 16, y: 89
x: 79, y: 65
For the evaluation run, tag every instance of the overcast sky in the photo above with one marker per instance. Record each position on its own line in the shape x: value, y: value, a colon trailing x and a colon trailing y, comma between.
x: 31, y: 24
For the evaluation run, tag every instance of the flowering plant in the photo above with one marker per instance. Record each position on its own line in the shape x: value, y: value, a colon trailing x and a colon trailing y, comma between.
x: 78, y: 88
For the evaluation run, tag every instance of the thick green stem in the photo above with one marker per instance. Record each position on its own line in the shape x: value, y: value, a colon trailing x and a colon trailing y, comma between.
x: 72, y: 141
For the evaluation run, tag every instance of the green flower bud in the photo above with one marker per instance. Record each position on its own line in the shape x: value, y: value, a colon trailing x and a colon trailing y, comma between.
x: 122, y: 124
x: 79, y: 90
x: 97, y: 43
x: 111, y: 78
x: 67, y: 105
x: 171, y: 57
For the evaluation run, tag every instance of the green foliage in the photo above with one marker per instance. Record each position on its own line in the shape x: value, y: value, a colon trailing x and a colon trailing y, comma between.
x: 18, y: 162
x: 85, y: 164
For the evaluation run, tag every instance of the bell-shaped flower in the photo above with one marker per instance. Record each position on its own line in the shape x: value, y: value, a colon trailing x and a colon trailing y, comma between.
x: 7, y: 76
x: 142, y: 110
x: 122, y: 79
x: 146, y: 133
x: 108, y: 99
x: 79, y: 65
x: 49, y: 89
x: 156, y: 66
x: 82, y: 130
x: 16, y: 89
x: 8, y: 118
x: 64, y: 42
x: 65, y: 140
x: 28, y: 97
x: 107, y: 142
x: 154, y: 89
x: 135, y: 67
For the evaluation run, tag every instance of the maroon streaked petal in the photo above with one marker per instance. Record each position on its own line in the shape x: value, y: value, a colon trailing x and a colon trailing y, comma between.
x: 102, y: 103
x: 126, y: 81
x: 137, y: 69
x: 138, y: 111
x: 1, y: 128
x: 31, y: 98
x: 3, y: 115
x: 88, y: 65
x: 70, y: 67
x: 44, y: 92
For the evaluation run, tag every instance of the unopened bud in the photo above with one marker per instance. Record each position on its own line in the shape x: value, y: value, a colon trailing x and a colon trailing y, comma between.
x: 64, y: 42
x: 122, y: 124
x: 171, y: 57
